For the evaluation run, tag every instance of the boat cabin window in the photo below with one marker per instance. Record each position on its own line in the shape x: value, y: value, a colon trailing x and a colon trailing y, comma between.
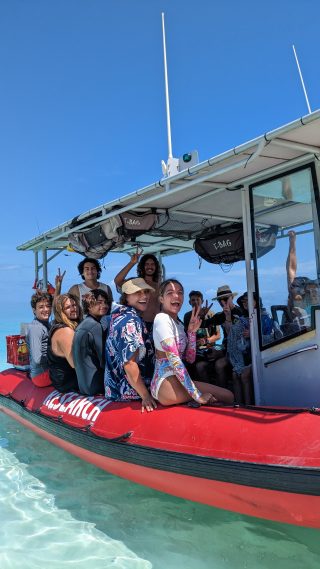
x: 286, y: 244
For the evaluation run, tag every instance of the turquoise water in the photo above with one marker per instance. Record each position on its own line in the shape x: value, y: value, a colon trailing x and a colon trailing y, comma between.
x: 57, y: 511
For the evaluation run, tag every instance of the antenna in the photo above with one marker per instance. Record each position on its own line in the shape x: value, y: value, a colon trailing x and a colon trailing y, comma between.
x: 173, y: 165
x: 166, y: 87
x: 301, y: 78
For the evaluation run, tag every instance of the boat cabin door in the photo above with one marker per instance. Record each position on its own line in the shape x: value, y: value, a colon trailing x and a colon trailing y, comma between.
x: 285, y: 241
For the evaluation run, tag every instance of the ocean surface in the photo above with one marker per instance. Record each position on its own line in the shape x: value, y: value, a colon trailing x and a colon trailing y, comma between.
x: 57, y: 511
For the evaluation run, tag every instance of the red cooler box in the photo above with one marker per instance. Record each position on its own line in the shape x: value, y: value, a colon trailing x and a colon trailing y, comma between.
x: 17, y: 351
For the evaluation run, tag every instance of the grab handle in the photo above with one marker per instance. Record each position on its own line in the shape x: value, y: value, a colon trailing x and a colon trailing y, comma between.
x: 284, y: 356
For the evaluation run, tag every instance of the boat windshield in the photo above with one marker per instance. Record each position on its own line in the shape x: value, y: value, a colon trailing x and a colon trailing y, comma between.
x: 286, y: 241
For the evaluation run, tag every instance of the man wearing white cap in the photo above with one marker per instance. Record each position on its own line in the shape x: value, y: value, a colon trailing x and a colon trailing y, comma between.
x: 129, y: 350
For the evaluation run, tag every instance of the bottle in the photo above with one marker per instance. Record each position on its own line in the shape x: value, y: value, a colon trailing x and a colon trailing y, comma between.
x: 22, y: 351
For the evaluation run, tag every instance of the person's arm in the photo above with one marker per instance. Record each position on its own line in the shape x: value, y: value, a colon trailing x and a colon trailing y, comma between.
x: 64, y: 339
x: 58, y: 283
x: 133, y: 374
x: 291, y: 264
x: 35, y: 346
x: 215, y: 337
x: 75, y: 291
x: 193, y: 327
x: 110, y: 295
x: 121, y: 276
x: 216, y: 320
x: 204, y: 310
x: 287, y: 189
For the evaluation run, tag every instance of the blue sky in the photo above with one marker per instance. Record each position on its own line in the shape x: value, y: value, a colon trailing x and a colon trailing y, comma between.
x: 82, y: 108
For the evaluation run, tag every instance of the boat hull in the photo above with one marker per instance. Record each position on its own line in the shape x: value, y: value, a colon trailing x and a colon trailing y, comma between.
x: 170, y: 450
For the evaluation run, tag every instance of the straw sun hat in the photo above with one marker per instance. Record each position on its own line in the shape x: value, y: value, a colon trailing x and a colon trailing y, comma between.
x: 135, y: 285
x: 224, y: 291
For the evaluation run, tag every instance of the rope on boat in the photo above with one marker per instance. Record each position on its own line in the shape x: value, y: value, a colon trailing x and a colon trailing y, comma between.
x: 312, y: 410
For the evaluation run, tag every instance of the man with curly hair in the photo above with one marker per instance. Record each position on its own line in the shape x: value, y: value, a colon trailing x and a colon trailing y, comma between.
x: 148, y: 268
x: 90, y: 271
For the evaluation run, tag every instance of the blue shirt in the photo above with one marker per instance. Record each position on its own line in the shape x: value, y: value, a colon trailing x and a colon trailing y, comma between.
x: 127, y: 334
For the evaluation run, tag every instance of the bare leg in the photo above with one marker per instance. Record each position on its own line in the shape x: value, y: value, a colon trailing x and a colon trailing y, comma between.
x: 247, y: 387
x: 237, y: 388
x: 215, y: 372
x: 221, y: 369
x: 204, y: 370
x: 172, y: 392
x: 220, y: 393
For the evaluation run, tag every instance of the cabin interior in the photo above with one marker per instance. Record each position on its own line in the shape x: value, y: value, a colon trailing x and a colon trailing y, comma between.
x: 268, y: 189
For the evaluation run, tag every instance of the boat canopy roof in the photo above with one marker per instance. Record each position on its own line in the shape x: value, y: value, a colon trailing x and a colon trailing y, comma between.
x: 205, y: 195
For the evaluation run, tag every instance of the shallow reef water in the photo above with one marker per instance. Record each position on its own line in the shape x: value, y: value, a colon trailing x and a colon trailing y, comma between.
x: 58, y: 511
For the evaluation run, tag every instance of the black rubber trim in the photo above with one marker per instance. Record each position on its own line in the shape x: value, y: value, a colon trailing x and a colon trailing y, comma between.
x: 299, y: 480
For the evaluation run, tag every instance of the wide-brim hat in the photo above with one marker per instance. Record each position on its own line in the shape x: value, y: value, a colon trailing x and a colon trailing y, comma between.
x: 135, y: 285
x: 224, y: 291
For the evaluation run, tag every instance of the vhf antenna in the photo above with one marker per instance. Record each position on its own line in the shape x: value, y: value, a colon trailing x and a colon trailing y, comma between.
x: 302, y: 81
x: 170, y: 167
x: 173, y: 165
x: 166, y: 87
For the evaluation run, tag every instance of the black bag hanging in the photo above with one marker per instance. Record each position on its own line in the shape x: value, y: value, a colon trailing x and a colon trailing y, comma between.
x: 221, y: 246
x: 136, y: 223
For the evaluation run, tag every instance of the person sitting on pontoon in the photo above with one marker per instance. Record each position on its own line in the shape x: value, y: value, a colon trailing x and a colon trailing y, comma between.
x: 90, y: 271
x: 38, y: 330
x: 88, y: 347
x: 67, y: 315
x: 171, y: 382
x: 149, y: 269
x: 129, y: 349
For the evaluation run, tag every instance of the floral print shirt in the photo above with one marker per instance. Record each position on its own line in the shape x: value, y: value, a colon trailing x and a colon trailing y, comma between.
x: 127, y: 334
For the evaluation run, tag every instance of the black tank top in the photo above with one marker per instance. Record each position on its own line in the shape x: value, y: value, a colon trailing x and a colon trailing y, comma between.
x: 62, y: 375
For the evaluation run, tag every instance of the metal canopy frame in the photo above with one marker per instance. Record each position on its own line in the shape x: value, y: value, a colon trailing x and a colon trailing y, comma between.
x: 209, y: 190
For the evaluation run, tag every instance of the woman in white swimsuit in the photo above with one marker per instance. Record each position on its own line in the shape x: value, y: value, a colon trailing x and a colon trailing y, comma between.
x: 171, y: 383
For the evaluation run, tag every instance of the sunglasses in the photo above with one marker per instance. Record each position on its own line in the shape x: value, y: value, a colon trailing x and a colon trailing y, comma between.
x: 224, y: 300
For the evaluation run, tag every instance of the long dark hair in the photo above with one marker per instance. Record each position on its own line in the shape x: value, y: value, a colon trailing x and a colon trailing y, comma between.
x: 141, y: 265
x: 165, y: 283
x: 163, y: 287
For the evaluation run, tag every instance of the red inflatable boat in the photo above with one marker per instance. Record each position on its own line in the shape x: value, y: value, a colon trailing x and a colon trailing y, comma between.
x: 244, y: 460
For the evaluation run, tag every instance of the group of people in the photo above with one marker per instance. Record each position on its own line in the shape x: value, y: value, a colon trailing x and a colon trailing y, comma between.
x: 139, y: 348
